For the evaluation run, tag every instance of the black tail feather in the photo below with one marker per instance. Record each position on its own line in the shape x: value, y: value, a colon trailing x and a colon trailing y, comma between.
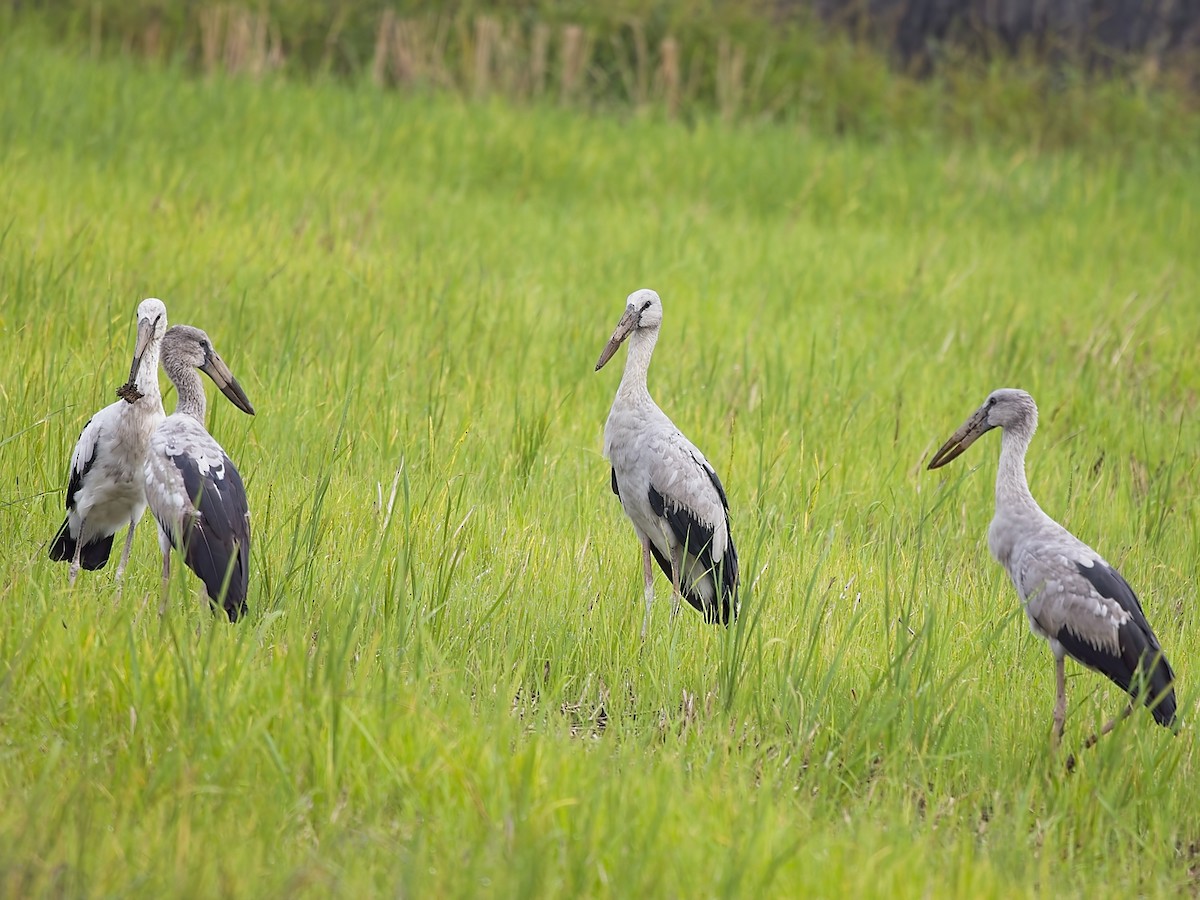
x: 1140, y: 669
x: 63, y: 545
x: 1139, y: 665
x: 720, y: 612
x: 93, y: 555
x: 1146, y: 674
x: 222, y: 567
x: 1161, y: 688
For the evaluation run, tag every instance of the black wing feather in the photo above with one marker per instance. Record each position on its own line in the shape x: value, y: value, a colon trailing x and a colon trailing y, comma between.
x: 614, y: 483
x: 94, y: 555
x: 1141, y: 665
x: 697, y: 539
x: 216, y: 542
x: 77, y: 475
x: 729, y: 565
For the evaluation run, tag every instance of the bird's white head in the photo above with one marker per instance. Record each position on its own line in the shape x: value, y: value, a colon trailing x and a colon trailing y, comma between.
x: 643, y: 312
x: 152, y: 314
x: 1004, y: 408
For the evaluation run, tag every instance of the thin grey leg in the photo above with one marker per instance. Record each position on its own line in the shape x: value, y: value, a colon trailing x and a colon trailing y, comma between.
x: 1094, y: 739
x: 1060, y: 704
x: 648, y: 574
x: 1110, y: 725
x: 166, y: 575
x: 676, y: 566
x: 125, y: 553
x: 73, y: 572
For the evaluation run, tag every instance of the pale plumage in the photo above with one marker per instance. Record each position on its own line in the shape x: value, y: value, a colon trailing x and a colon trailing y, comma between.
x: 106, y: 490
x: 671, y: 494
x: 194, y: 490
x: 1073, y: 598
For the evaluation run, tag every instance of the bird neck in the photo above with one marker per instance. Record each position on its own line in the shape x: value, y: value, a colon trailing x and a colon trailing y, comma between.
x: 147, y: 374
x: 1012, y: 488
x: 189, y: 388
x: 637, y: 362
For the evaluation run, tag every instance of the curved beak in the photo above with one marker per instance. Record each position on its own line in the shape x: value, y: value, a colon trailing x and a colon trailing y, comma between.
x: 968, y: 434
x: 624, y: 329
x: 214, y: 367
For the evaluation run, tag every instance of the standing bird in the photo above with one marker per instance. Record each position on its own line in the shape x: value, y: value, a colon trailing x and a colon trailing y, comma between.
x: 194, y: 490
x: 107, y: 490
x: 1074, y: 599
x: 666, y: 486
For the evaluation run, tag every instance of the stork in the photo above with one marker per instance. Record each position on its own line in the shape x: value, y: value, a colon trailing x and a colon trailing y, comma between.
x: 667, y: 488
x: 1073, y: 599
x: 193, y: 487
x: 106, y: 490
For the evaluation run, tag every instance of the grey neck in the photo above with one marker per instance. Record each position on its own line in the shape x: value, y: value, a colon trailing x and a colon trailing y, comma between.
x: 637, y: 363
x: 1012, y: 488
x: 188, y: 387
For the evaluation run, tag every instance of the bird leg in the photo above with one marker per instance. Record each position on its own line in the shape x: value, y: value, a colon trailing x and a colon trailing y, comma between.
x: 73, y: 571
x: 649, y: 576
x: 125, y: 553
x: 166, y: 581
x: 676, y: 566
x: 1060, y: 703
x: 1095, y: 738
x: 1108, y: 726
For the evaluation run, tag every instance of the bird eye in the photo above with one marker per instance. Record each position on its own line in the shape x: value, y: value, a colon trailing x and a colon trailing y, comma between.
x: 645, y: 306
x: 991, y: 402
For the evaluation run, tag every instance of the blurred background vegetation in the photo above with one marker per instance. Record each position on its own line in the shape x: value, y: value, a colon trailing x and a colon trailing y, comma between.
x: 1043, y: 72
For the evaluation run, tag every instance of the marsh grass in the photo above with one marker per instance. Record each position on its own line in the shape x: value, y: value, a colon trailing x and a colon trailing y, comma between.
x: 440, y: 688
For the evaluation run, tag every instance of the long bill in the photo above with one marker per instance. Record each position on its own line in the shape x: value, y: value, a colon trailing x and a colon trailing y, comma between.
x: 968, y: 434
x: 214, y: 367
x: 624, y: 329
x: 145, y: 334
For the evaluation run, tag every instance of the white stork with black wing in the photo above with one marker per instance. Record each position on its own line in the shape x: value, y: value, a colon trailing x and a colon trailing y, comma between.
x: 1073, y: 598
x: 106, y: 490
x: 193, y: 487
x: 666, y: 486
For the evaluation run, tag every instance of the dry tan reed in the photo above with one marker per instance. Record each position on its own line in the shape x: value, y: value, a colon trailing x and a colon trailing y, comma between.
x: 479, y: 55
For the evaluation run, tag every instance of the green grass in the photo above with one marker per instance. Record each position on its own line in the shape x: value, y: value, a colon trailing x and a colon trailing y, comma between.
x: 440, y: 688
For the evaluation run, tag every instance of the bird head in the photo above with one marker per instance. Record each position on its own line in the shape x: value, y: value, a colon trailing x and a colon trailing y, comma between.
x: 151, y: 326
x: 191, y: 346
x: 643, y: 312
x: 1004, y: 408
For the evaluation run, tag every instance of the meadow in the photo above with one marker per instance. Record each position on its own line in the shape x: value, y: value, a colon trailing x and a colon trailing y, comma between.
x: 439, y: 689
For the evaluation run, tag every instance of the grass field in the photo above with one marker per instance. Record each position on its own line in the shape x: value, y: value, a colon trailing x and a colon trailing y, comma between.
x: 440, y: 690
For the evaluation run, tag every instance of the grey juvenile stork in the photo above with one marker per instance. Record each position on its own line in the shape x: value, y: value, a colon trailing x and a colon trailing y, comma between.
x: 106, y: 490
x: 1073, y: 598
x: 194, y: 490
x: 666, y: 486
